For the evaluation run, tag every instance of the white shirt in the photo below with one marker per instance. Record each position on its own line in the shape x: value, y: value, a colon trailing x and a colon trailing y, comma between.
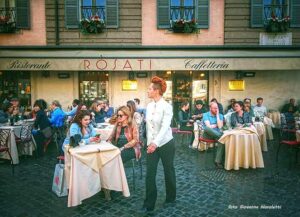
x: 158, y: 122
x: 260, y: 110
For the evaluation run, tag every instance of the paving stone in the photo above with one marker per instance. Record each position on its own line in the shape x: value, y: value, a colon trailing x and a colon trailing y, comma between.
x: 202, y: 190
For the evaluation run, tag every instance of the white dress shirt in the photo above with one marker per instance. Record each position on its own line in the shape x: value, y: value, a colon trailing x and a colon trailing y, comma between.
x: 158, y: 122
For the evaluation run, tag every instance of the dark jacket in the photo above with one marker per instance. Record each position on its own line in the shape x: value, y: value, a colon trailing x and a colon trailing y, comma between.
x: 41, y: 120
x: 3, y: 117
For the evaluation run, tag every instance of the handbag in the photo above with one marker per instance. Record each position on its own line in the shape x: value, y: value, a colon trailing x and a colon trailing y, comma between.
x: 47, y: 132
x: 59, y: 185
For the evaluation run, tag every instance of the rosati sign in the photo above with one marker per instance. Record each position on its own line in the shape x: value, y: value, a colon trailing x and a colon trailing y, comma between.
x: 148, y: 64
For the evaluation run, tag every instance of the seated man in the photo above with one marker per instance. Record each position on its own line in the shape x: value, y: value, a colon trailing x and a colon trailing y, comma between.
x: 290, y: 107
x: 213, y: 122
x: 199, y: 110
x: 259, y: 109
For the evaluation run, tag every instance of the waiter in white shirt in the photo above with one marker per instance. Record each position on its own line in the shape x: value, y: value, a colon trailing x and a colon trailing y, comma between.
x: 160, y: 144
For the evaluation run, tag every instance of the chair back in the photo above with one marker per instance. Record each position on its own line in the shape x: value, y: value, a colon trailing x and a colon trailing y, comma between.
x: 26, y: 132
x: 4, y: 136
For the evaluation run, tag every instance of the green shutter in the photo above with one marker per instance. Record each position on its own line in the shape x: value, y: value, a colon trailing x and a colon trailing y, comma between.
x: 71, y: 14
x: 202, y: 12
x: 295, y: 13
x: 257, y: 12
x: 163, y: 14
x: 23, y: 14
x: 112, y: 13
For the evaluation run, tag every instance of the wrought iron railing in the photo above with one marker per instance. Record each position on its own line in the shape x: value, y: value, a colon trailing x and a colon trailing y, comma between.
x: 87, y: 12
x: 279, y: 11
x: 182, y: 12
x: 7, y: 20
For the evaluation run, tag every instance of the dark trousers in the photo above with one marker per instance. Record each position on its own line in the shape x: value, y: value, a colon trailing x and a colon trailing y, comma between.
x: 166, y: 153
x: 39, y: 140
x: 189, y: 128
x: 127, y: 154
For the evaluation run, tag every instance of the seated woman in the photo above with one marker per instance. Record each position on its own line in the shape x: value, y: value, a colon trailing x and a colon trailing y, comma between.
x: 249, y: 109
x: 240, y: 117
x: 125, y: 135
x: 97, y: 112
x: 82, y: 125
x: 42, y: 125
x: 185, y: 121
x: 136, y: 116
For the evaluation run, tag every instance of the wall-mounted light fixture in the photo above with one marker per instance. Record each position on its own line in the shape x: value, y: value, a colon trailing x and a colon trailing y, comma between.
x: 45, y: 74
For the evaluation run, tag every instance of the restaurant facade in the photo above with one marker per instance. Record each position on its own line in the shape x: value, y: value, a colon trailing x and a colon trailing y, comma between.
x: 192, y: 73
x: 53, y: 59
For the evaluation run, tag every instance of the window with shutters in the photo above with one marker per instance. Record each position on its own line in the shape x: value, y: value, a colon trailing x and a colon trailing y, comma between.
x: 103, y: 10
x: 14, y: 14
x: 93, y: 8
x: 275, y: 8
x: 265, y: 11
x: 170, y: 11
x: 7, y: 16
x: 182, y: 10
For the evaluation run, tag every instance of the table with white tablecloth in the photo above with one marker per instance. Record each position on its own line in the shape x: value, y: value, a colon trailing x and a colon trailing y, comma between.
x: 101, y: 166
x: 104, y: 130
x: 298, y: 135
x: 275, y: 117
x: 261, y: 131
x: 242, y: 149
x: 26, y: 150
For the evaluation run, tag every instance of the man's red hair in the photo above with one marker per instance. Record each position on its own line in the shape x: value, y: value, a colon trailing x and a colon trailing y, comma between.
x: 161, y: 83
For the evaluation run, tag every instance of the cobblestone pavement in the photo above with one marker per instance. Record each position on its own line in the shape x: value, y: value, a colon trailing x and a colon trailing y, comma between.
x: 202, y: 190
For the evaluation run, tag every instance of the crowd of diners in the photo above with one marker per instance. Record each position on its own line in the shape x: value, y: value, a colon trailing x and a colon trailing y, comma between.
x: 131, y: 124
x: 239, y: 113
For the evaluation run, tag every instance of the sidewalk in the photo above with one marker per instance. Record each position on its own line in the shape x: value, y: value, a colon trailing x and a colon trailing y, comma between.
x: 202, y: 190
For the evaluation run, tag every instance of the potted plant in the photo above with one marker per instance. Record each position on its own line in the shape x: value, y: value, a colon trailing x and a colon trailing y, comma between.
x: 6, y: 25
x: 277, y: 25
x: 184, y: 26
x: 92, y: 25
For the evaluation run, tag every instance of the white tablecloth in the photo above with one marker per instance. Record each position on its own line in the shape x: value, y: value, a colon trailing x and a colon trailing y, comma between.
x: 261, y: 130
x: 242, y: 149
x: 16, y: 131
x: 105, y: 132
x: 88, y: 170
x: 298, y: 135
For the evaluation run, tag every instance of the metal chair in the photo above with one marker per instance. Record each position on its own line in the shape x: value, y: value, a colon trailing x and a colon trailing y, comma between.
x: 4, y: 137
x: 25, y: 136
x: 205, y: 141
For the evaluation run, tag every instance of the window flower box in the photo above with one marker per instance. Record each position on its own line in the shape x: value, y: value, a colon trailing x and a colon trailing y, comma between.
x: 93, y: 25
x: 6, y: 25
x: 276, y: 25
x: 184, y: 26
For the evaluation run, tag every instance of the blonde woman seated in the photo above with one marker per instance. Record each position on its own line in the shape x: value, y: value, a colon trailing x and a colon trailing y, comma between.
x: 136, y: 116
x: 125, y: 135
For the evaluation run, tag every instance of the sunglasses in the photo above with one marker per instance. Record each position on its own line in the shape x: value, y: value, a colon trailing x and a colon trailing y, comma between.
x: 120, y: 116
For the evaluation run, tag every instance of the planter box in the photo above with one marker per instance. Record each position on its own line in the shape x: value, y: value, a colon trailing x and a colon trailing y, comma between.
x: 275, y: 38
x: 8, y: 28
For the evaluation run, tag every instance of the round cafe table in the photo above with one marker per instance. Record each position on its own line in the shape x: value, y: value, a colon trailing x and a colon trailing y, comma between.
x: 14, y: 130
x: 104, y: 130
x: 298, y: 135
x: 261, y: 131
x: 275, y: 117
x: 242, y: 149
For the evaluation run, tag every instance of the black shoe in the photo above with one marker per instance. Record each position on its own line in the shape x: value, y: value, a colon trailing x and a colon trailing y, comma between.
x: 146, y: 210
x: 219, y: 165
x: 169, y: 204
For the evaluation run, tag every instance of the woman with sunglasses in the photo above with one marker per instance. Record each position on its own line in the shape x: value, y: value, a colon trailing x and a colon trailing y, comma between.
x: 82, y: 125
x: 160, y: 144
x: 125, y: 135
